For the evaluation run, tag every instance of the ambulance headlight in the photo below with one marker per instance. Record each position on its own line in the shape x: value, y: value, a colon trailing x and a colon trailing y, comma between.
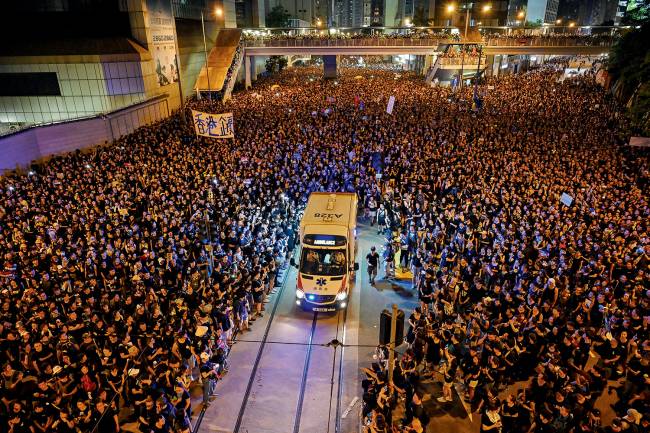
x: 342, y: 296
x: 300, y: 294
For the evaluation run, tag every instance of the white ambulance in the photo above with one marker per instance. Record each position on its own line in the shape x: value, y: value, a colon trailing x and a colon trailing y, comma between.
x: 326, y: 266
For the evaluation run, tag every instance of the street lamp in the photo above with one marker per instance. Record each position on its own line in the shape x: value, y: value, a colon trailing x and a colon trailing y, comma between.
x: 450, y: 10
x: 205, y: 53
x: 218, y: 12
x: 486, y: 9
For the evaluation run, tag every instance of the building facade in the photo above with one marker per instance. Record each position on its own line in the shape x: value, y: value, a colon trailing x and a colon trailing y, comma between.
x: 487, y: 13
x: 83, y: 59
x: 542, y: 11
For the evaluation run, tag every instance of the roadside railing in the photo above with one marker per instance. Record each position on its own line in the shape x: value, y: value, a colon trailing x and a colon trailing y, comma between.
x: 526, y: 41
x: 233, y: 71
x: 340, y: 42
x: 544, y: 41
x: 460, y: 60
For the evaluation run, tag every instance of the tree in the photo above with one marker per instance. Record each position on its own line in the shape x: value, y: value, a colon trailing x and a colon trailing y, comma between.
x: 282, y: 63
x: 629, y: 67
x: 278, y: 16
x: 276, y: 64
x: 420, y: 18
x: 536, y: 23
x: 270, y: 64
x: 638, y: 11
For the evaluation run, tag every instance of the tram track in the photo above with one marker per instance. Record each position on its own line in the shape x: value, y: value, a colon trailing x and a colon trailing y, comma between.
x: 310, y: 388
x: 249, y: 387
x: 303, y: 380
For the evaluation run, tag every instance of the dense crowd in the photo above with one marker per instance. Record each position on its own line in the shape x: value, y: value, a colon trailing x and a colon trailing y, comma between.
x: 344, y: 34
x: 230, y: 77
x: 488, y: 37
x: 125, y: 273
x: 512, y: 281
x: 557, y: 36
x: 126, y: 270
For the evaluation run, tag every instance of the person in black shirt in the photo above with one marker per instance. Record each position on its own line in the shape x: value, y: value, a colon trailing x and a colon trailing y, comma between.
x: 372, y: 259
x: 510, y: 415
x: 105, y: 418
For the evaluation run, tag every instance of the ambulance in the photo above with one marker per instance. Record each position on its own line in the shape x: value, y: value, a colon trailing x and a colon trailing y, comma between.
x: 326, y: 266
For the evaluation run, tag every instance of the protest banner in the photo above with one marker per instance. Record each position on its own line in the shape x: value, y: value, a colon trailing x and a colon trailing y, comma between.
x: 213, y: 125
x: 566, y: 199
x: 391, y: 104
x: 639, y: 141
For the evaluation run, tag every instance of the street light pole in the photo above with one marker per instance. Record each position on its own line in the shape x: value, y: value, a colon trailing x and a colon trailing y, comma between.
x: 462, y: 66
x: 205, y: 53
x: 391, y: 346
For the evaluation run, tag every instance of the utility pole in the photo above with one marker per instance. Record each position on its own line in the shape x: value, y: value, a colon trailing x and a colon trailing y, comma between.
x: 462, y: 65
x: 178, y: 71
x: 205, y: 53
x: 391, y: 346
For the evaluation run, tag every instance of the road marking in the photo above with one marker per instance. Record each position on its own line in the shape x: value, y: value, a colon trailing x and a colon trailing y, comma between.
x: 349, y: 408
x: 305, y: 371
x: 249, y: 387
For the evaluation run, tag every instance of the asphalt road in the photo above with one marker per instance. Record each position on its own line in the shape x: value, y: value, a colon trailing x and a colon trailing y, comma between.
x: 285, y: 378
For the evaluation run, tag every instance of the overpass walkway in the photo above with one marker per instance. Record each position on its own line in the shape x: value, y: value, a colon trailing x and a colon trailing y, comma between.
x: 405, y: 45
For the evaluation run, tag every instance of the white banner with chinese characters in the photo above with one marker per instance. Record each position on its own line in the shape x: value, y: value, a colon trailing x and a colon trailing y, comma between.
x: 213, y: 125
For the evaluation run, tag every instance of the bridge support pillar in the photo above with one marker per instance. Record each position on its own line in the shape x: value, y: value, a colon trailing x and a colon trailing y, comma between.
x: 247, y: 69
x: 489, y: 66
x: 329, y: 67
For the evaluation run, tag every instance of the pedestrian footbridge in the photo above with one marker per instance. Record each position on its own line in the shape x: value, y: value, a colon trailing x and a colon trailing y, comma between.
x: 434, y: 50
x: 422, y: 46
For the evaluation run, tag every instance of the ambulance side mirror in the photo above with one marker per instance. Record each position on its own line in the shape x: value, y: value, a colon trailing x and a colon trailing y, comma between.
x: 292, y: 262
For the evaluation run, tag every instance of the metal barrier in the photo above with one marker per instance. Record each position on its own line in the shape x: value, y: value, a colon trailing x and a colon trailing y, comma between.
x: 460, y: 60
x: 552, y: 41
x: 341, y: 42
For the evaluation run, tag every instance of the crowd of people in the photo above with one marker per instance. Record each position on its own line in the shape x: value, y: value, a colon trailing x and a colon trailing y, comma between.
x: 370, y: 62
x: 368, y: 33
x: 446, y: 36
x: 126, y: 270
x: 551, y: 38
x: 514, y: 281
x: 229, y: 81
x: 462, y: 51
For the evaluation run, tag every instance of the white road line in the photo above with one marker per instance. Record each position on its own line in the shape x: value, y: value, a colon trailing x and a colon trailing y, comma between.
x: 349, y: 408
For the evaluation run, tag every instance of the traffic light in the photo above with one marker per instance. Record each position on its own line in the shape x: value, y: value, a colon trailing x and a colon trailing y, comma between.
x: 384, y: 327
